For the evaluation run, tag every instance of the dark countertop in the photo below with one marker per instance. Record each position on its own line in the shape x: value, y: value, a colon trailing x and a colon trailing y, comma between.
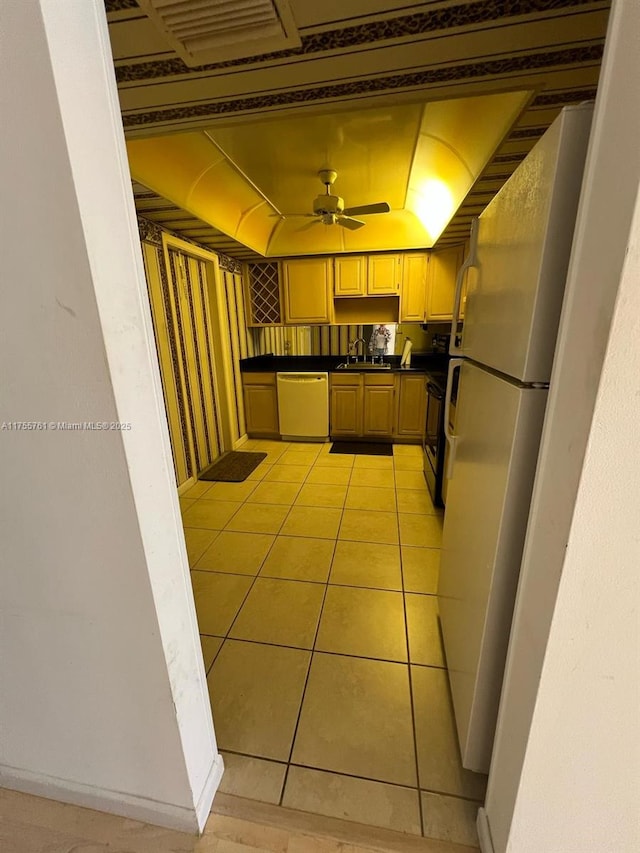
x: 420, y: 363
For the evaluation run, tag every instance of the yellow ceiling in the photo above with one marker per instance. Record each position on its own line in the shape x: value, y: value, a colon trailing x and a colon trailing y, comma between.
x: 420, y: 158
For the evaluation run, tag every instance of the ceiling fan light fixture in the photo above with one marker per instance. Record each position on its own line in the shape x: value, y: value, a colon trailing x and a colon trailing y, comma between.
x: 328, y: 204
x: 328, y: 177
x: 330, y: 208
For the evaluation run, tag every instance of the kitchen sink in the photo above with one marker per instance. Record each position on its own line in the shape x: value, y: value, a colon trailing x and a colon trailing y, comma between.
x: 364, y: 365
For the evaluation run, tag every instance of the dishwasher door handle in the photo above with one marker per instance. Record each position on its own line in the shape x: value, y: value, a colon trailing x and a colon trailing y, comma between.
x: 301, y: 377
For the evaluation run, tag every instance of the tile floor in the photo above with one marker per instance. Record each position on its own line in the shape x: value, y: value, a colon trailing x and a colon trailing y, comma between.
x: 314, y: 583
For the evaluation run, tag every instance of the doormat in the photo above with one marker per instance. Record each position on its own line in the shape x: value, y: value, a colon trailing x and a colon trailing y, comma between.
x: 362, y: 448
x: 233, y: 467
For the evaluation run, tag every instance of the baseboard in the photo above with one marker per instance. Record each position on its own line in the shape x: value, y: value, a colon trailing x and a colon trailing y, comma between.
x: 319, y: 439
x: 186, y: 486
x: 239, y: 442
x: 142, y: 809
x: 211, y: 784
x: 484, y: 831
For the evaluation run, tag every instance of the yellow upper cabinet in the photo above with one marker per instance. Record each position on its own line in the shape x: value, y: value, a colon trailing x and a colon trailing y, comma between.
x: 443, y: 270
x: 413, y: 295
x: 350, y: 275
x: 383, y: 275
x: 307, y: 287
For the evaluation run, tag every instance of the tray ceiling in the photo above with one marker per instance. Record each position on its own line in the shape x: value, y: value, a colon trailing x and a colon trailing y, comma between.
x: 374, y: 56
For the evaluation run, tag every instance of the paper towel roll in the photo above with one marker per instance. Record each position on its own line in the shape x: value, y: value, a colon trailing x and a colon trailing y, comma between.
x: 405, y: 360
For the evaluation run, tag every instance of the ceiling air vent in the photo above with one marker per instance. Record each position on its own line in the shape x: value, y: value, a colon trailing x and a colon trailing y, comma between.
x: 209, y: 31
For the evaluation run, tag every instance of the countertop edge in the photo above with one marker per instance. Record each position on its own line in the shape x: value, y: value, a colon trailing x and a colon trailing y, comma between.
x: 329, y: 364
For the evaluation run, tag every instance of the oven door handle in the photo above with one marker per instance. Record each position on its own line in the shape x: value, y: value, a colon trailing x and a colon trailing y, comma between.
x: 454, y: 364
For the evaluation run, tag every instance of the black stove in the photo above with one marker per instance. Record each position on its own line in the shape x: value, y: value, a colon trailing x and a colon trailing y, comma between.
x: 434, y: 437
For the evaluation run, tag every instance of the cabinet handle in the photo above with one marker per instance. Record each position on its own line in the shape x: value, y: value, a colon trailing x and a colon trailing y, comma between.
x: 451, y: 438
x: 470, y: 261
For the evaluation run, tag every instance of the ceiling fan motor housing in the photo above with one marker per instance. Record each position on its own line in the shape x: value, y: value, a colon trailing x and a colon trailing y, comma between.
x: 323, y: 204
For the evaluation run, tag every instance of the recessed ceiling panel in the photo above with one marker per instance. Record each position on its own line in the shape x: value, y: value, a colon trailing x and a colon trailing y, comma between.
x: 370, y: 149
x: 422, y: 159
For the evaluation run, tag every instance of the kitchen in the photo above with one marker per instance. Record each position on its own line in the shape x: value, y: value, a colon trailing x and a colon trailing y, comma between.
x: 344, y: 291
x: 304, y: 491
x: 296, y: 451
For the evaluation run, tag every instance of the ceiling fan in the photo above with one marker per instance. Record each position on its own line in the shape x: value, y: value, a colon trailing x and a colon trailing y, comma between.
x: 330, y: 210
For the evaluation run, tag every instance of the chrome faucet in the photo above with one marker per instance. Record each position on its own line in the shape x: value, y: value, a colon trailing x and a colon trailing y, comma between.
x: 353, y: 345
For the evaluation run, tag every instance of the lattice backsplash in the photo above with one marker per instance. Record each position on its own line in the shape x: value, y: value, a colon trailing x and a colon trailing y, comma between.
x: 264, y: 293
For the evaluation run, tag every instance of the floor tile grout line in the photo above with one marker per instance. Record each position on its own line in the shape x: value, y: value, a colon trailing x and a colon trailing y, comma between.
x: 326, y: 652
x: 306, y: 681
x: 329, y: 771
x: 315, y: 637
x: 411, y: 692
x: 226, y: 637
x: 308, y: 580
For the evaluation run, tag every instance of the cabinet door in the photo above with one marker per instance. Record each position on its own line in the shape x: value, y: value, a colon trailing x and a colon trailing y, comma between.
x: 378, y: 411
x: 350, y: 275
x: 261, y: 410
x: 383, y: 275
x: 443, y: 269
x: 307, y: 287
x: 412, y: 406
x: 346, y: 410
x: 414, y: 289
x: 262, y: 294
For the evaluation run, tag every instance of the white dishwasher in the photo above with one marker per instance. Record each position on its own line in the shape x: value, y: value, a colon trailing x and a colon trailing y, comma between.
x: 303, y: 406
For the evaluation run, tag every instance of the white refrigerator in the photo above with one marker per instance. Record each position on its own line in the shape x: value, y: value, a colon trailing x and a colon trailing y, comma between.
x: 515, y: 289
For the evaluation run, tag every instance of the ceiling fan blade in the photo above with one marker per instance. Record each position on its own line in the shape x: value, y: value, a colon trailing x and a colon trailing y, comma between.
x: 380, y: 207
x: 348, y: 222
x: 310, y: 225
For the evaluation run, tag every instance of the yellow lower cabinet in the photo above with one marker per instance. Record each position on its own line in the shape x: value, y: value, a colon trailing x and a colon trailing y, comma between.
x: 307, y: 288
x: 412, y: 405
x: 346, y: 405
x: 261, y: 405
x: 379, y: 405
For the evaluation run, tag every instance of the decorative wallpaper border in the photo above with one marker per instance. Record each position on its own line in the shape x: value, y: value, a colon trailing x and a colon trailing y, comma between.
x: 507, y: 65
x: 229, y: 264
x: 558, y: 99
x: 151, y: 232
x: 435, y: 20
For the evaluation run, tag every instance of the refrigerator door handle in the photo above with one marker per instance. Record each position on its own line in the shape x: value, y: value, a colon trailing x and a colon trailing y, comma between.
x: 454, y: 364
x: 470, y: 261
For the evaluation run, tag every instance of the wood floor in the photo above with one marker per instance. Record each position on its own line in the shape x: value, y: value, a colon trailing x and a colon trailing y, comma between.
x: 35, y: 825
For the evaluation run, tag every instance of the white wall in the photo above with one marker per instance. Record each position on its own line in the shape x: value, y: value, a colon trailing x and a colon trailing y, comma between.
x: 580, y: 785
x: 604, y: 219
x: 103, y: 698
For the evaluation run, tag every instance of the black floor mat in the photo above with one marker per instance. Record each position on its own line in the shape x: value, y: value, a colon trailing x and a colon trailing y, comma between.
x: 363, y: 448
x: 233, y: 467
